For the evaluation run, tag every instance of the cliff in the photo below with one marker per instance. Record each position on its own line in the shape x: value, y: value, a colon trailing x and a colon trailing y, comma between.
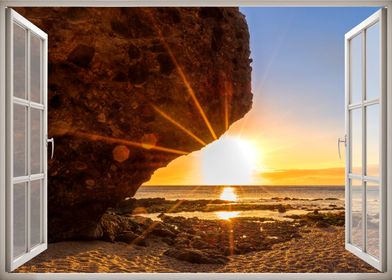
x: 131, y: 89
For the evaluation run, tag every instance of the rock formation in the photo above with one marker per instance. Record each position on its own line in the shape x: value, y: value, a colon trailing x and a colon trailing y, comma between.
x: 131, y: 89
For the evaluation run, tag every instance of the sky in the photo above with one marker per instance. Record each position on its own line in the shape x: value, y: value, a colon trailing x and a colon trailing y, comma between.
x: 290, y: 135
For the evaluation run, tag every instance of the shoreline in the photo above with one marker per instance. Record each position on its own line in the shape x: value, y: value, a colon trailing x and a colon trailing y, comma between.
x: 311, y: 242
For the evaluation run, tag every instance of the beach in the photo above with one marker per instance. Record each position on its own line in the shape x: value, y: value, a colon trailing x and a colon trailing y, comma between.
x: 271, y: 234
x: 320, y: 250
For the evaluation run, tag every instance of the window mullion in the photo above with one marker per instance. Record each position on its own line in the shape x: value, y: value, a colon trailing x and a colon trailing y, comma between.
x: 28, y: 224
x: 364, y: 144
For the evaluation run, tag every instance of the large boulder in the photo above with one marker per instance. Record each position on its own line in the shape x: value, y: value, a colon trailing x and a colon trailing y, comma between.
x: 131, y: 89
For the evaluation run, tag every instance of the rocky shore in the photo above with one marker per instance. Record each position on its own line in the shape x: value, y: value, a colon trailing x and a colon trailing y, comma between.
x: 162, y: 205
x: 215, y: 245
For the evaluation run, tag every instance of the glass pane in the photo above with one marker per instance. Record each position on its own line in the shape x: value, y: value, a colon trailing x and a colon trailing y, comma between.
x: 373, y: 140
x: 19, y: 219
x: 35, y: 66
x: 356, y: 141
x: 36, y: 144
x: 373, y: 59
x: 20, y: 140
x: 19, y: 61
x: 356, y: 69
x: 35, y: 222
x: 373, y: 219
x: 356, y: 213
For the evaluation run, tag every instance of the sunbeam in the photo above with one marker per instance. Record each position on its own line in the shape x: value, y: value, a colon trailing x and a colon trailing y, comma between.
x: 184, y: 78
x: 187, y: 131
x: 154, y: 224
x: 226, y: 112
x: 113, y: 140
x: 227, y: 95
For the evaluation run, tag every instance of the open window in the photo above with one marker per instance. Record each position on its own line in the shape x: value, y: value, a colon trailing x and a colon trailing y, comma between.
x: 26, y: 148
x: 366, y: 140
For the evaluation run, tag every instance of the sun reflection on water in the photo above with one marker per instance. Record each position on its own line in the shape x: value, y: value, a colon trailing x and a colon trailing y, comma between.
x: 224, y: 215
x: 228, y: 193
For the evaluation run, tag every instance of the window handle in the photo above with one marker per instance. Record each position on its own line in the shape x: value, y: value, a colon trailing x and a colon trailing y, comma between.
x: 341, y: 140
x: 51, y: 141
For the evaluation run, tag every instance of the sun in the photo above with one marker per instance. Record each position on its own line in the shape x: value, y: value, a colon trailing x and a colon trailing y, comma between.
x: 228, y: 161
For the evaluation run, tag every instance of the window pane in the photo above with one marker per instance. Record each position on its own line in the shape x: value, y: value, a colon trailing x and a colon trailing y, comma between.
x: 356, y: 69
x: 35, y: 66
x: 20, y: 140
x: 373, y: 219
x: 356, y: 141
x: 19, y: 219
x: 35, y: 222
x: 373, y: 59
x: 36, y: 141
x: 356, y: 213
x: 19, y: 49
x: 373, y: 140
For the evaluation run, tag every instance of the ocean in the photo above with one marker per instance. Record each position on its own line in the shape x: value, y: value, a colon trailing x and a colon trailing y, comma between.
x: 302, y: 199
x: 241, y: 193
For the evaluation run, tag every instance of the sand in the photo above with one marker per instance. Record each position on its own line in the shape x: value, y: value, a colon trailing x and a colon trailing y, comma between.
x: 319, y: 250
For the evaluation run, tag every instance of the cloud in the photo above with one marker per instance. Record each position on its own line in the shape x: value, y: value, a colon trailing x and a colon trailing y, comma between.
x: 326, y: 176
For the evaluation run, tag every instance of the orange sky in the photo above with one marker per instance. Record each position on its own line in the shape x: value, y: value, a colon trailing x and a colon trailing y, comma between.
x: 281, y: 154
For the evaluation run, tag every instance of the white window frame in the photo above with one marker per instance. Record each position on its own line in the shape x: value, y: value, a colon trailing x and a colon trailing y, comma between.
x: 31, y: 252
x: 154, y: 3
x: 380, y: 263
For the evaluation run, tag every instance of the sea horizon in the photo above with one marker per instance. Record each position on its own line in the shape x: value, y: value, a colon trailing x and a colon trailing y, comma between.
x: 239, y: 193
x: 223, y: 185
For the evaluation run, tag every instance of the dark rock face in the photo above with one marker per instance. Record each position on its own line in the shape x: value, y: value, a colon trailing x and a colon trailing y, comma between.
x: 117, y: 77
x: 208, y: 241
